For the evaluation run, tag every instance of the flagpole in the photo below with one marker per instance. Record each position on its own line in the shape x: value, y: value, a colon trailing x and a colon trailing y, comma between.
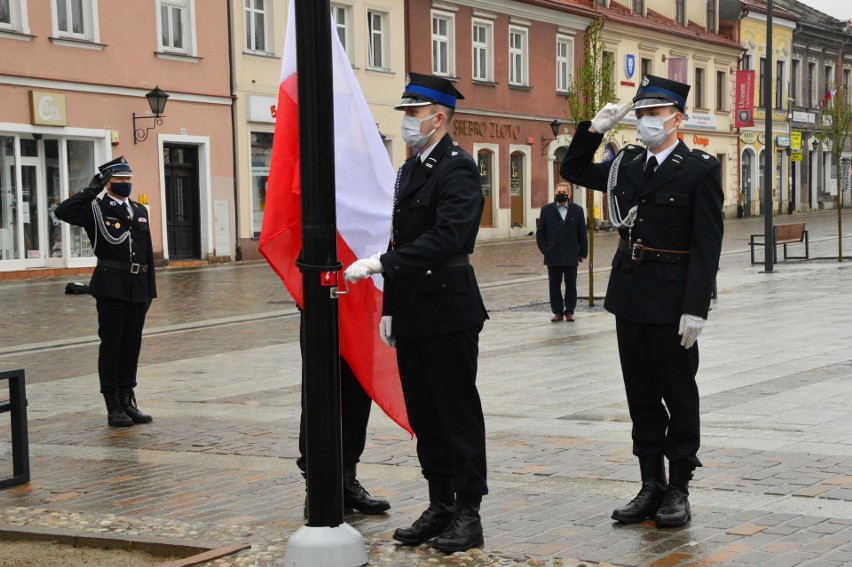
x: 325, y: 540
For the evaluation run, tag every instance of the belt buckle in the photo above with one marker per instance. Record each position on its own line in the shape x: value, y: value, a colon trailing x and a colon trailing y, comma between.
x: 637, y: 253
x: 134, y: 268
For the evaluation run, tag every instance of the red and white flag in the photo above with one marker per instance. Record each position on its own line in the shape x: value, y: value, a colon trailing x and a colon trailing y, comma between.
x: 364, y: 198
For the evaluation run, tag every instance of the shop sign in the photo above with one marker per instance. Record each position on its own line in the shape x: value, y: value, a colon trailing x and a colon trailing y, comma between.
x: 748, y: 136
x: 262, y: 109
x: 796, y: 155
x: 701, y: 121
x: 761, y: 138
x: 796, y: 140
x: 782, y: 141
x: 48, y: 109
x: 699, y: 141
x: 807, y: 117
x: 486, y: 129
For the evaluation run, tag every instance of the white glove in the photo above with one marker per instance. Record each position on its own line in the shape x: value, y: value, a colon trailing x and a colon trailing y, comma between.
x: 364, y: 268
x: 690, y: 328
x: 385, y: 331
x: 610, y: 115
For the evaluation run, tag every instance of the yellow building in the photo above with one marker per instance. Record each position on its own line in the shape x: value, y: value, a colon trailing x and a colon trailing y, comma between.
x: 373, y: 35
x: 752, y: 143
x: 680, y: 41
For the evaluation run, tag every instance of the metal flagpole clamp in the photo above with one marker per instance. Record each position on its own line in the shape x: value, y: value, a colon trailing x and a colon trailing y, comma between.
x: 328, y: 276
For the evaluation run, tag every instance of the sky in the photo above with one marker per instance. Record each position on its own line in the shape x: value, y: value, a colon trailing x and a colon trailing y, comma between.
x: 840, y: 9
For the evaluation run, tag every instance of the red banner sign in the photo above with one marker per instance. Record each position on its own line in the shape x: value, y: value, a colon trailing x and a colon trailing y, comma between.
x: 745, y: 99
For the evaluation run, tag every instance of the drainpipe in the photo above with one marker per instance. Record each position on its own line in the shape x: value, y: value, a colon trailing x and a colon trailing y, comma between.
x: 238, y: 253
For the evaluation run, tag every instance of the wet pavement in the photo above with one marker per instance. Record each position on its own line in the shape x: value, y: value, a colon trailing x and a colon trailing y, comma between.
x: 220, y: 373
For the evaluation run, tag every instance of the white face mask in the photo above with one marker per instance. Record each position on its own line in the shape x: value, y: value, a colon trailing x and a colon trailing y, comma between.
x: 411, y: 131
x: 651, y: 130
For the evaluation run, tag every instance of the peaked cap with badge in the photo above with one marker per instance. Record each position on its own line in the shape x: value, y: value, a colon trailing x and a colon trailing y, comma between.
x: 117, y: 167
x: 656, y: 91
x: 422, y: 90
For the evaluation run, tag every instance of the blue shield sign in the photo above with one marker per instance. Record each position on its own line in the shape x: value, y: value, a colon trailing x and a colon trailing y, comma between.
x: 630, y: 65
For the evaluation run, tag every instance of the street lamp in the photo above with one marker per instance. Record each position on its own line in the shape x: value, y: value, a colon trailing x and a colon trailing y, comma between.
x: 157, y: 101
x: 554, y: 127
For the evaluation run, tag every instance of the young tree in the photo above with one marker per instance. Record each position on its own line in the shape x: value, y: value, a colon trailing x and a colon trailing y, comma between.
x: 592, y: 87
x: 834, y: 134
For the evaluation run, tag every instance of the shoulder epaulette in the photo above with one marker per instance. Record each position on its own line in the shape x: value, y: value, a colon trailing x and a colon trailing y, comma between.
x: 701, y: 154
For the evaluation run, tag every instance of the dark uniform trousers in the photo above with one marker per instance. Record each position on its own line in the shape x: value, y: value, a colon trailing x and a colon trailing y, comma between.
x: 657, y: 368
x: 679, y: 208
x: 120, y: 329
x: 432, y: 294
x: 450, y: 434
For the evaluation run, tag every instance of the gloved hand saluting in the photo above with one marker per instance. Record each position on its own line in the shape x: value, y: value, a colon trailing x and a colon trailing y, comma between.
x: 99, y: 181
x: 610, y: 115
x: 386, y: 331
x: 690, y: 328
x: 363, y: 268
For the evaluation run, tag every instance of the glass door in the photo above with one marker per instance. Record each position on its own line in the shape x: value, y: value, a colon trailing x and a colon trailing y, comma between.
x: 8, y: 201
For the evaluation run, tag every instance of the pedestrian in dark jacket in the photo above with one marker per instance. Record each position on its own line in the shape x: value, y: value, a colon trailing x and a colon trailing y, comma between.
x: 561, y: 237
x: 122, y: 284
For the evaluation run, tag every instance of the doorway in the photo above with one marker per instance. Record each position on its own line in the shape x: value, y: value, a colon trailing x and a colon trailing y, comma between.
x: 180, y: 172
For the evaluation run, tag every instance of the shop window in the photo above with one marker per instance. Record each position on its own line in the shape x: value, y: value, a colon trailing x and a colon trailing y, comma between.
x: 261, y: 152
x: 485, y: 160
x: 81, y: 163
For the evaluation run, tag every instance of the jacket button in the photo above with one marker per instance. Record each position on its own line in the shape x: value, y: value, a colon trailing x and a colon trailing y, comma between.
x: 428, y: 272
x: 398, y: 210
x: 638, y: 241
x: 443, y: 286
x: 641, y: 221
x: 642, y: 202
x: 671, y: 199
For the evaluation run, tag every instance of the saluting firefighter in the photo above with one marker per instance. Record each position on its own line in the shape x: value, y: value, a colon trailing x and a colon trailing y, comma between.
x: 433, y: 313
x: 122, y: 284
x: 661, y: 282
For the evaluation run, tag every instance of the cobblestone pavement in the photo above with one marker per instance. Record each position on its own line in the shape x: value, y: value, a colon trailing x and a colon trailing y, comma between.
x: 220, y: 373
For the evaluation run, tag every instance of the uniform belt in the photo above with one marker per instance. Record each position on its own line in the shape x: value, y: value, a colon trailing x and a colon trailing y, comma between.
x: 133, y: 268
x: 456, y: 261
x: 640, y: 253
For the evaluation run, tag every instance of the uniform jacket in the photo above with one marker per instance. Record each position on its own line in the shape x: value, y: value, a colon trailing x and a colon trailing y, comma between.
x: 563, y: 242
x: 107, y: 281
x: 436, y: 217
x: 680, y: 208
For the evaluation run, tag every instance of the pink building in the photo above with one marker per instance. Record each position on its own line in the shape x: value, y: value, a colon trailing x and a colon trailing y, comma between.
x: 72, y: 75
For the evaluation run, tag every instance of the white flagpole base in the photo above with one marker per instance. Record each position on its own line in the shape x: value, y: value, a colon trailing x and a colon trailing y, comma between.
x: 341, y: 546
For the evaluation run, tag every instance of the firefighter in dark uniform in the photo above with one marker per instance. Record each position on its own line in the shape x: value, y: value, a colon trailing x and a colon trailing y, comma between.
x: 122, y: 284
x: 661, y: 282
x: 433, y: 313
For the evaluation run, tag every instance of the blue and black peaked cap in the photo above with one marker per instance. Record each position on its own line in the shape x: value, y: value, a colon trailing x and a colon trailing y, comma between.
x: 421, y: 90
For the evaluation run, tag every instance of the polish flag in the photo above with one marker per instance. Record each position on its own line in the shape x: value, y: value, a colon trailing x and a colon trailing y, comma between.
x: 364, y: 198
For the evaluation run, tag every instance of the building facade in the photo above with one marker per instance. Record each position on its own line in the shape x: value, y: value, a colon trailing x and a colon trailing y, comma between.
x: 373, y: 35
x: 822, y: 62
x: 513, y: 62
x: 682, y: 41
x: 72, y: 76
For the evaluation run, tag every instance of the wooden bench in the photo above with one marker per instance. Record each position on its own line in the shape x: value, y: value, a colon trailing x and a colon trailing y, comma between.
x: 783, y: 234
x: 16, y: 406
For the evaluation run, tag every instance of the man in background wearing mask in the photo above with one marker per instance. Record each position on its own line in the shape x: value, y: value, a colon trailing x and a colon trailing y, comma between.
x: 660, y: 285
x: 433, y: 313
x: 561, y: 237
x: 122, y: 284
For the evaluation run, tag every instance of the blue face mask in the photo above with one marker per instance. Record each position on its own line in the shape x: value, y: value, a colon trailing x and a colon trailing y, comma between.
x: 121, y: 189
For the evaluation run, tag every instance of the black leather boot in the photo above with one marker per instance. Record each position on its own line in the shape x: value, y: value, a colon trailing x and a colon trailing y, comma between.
x: 128, y: 404
x: 674, y: 511
x: 464, y: 532
x: 433, y: 521
x: 356, y: 496
x: 650, y: 496
x: 115, y: 413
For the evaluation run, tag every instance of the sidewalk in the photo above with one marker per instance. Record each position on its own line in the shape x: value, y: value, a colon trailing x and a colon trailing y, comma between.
x: 220, y: 374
